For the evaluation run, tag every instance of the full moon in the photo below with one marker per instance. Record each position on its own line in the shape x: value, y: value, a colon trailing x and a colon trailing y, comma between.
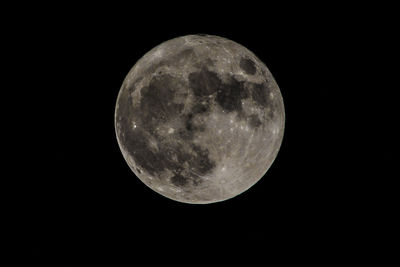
x: 199, y: 119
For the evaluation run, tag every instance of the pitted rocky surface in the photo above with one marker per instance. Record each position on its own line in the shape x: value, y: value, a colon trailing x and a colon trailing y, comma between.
x: 199, y: 119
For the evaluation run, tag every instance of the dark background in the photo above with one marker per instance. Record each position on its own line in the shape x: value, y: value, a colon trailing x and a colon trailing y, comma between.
x: 81, y: 204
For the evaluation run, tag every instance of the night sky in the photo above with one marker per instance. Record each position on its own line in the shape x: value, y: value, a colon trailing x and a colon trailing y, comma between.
x: 80, y: 201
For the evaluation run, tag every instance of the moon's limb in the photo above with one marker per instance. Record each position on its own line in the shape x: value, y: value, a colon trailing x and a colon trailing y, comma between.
x: 199, y: 119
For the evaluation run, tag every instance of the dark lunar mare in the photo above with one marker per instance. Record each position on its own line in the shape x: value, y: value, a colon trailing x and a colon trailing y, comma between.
x: 260, y: 93
x: 157, y: 108
x: 156, y: 105
x: 229, y: 94
x: 248, y: 66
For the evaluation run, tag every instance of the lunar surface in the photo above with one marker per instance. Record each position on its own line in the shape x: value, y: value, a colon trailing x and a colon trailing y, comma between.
x: 199, y: 119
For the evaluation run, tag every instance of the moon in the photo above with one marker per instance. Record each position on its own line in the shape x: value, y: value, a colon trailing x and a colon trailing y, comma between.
x: 199, y: 119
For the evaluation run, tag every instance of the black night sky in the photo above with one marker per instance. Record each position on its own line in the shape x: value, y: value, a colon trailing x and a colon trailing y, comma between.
x: 81, y: 205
